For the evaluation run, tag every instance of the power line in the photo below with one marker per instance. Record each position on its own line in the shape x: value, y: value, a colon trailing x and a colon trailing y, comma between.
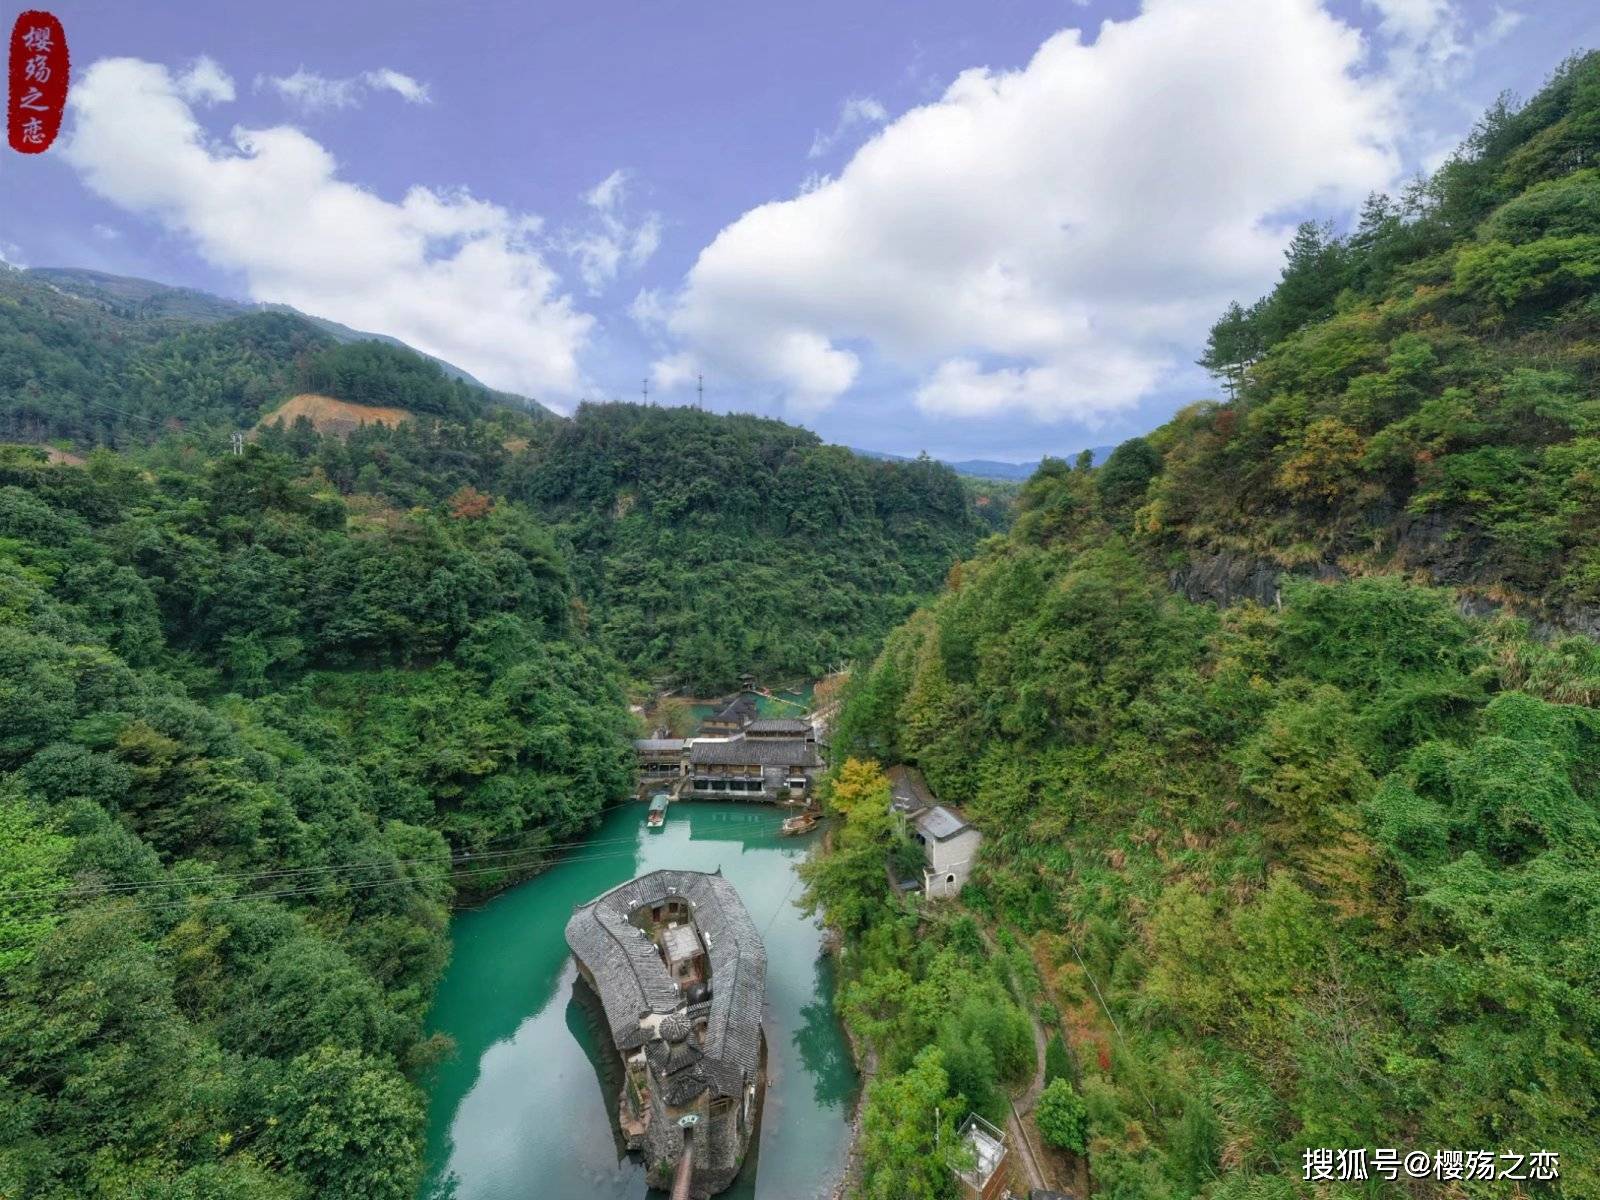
x: 536, y: 860
x: 126, y: 886
x: 1106, y: 1008
x: 297, y: 875
x: 374, y: 884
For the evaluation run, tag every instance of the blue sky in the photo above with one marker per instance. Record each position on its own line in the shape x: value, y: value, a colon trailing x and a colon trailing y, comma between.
x: 947, y: 226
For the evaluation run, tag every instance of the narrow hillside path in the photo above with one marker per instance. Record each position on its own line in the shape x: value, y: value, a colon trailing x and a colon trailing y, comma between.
x: 1019, y: 1139
x: 1021, y: 1104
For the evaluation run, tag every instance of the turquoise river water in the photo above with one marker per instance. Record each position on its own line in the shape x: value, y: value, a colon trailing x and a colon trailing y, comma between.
x: 520, y: 1112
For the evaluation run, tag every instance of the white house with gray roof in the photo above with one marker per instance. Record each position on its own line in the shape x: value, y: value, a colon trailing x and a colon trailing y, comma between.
x: 948, y: 839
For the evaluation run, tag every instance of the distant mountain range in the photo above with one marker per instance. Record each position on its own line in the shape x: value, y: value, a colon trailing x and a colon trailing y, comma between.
x: 988, y: 468
x: 147, y: 298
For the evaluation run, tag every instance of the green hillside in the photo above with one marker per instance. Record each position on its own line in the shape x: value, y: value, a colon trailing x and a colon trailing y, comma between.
x: 248, y: 732
x: 91, y: 359
x: 704, y: 547
x: 1314, y: 871
x: 711, y: 546
x: 707, y: 547
x: 1420, y: 395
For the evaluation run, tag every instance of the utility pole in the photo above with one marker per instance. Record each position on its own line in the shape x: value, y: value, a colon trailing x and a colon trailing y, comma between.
x: 700, y: 391
x: 646, y: 389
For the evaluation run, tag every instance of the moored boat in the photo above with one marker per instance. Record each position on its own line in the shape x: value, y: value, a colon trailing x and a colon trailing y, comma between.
x: 801, y: 823
x: 657, y: 816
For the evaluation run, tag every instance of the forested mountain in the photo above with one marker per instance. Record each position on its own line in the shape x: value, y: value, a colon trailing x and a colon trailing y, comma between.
x: 714, y: 546
x: 705, y: 547
x: 249, y: 729
x: 1314, y: 872
x: 103, y: 360
x: 708, y: 547
x: 151, y: 311
x: 1421, y: 394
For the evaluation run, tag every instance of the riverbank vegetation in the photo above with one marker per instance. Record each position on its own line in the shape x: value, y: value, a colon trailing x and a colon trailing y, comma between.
x: 924, y: 997
x: 1320, y: 872
x: 248, y: 729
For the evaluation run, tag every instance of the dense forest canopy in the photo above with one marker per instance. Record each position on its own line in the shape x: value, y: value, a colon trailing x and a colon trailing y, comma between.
x: 707, y: 547
x: 714, y: 546
x: 247, y: 729
x: 1314, y: 873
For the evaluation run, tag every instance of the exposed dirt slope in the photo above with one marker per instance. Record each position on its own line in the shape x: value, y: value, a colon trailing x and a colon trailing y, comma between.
x: 328, y: 415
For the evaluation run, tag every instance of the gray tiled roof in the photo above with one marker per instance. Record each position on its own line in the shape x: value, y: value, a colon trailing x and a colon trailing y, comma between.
x: 742, y: 709
x: 940, y: 823
x: 764, y: 752
x: 665, y: 745
x: 793, y: 726
x: 633, y: 981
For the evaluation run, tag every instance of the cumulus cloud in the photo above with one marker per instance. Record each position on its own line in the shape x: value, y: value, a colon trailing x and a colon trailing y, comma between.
x: 1426, y: 41
x: 1055, y: 239
x: 610, y: 241
x: 453, y: 275
x: 205, y: 83
x: 853, y: 113
x: 310, y: 92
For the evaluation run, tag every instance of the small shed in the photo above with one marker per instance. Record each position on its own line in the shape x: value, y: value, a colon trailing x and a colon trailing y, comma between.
x: 987, y: 1178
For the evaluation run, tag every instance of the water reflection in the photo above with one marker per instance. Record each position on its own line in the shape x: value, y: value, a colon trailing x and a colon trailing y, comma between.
x: 824, y: 1053
x: 526, y: 1108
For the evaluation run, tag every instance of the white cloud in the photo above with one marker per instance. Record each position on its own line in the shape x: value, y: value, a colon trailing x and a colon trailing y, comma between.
x: 608, y: 242
x: 854, y: 112
x: 674, y: 371
x: 649, y: 310
x: 205, y: 83
x: 1056, y: 239
x: 1426, y: 43
x: 105, y: 232
x: 404, y: 86
x: 451, y: 274
x: 607, y: 194
x: 311, y: 92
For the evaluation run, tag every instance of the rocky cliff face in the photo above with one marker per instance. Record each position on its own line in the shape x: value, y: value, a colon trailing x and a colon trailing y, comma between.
x: 1225, y: 578
x: 1447, y: 553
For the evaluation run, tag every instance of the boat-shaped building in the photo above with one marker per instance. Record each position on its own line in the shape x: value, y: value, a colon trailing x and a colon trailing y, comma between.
x: 680, y: 970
